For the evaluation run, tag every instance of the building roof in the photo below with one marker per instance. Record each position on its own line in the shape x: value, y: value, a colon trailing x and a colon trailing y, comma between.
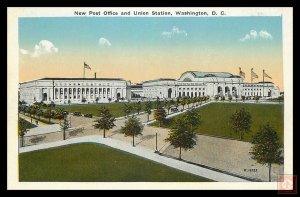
x: 266, y: 82
x: 136, y: 86
x: 57, y: 78
x: 199, y: 74
x: 63, y: 78
x: 160, y: 79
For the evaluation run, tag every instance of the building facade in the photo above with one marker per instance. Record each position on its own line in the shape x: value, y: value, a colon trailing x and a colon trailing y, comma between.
x: 137, y: 91
x: 195, y: 84
x: 103, y: 90
x: 74, y: 90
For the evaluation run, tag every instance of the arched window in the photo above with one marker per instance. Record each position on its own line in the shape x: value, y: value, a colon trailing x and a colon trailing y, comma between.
x: 187, y: 79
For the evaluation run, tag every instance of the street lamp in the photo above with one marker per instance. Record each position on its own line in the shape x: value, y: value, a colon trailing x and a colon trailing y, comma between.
x: 156, y: 151
x: 64, y: 125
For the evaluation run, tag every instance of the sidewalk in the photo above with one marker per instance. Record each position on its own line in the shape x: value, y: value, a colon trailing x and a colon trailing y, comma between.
x: 42, y: 129
x: 142, y: 152
x: 33, y: 120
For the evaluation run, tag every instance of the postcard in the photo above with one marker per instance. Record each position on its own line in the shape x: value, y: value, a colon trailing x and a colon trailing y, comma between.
x: 150, y: 98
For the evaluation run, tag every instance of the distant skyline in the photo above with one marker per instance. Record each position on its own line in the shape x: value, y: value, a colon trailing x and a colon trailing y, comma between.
x: 140, y: 49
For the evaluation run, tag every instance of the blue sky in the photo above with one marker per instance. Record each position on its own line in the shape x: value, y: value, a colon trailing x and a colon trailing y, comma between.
x: 154, y: 46
x: 146, y: 32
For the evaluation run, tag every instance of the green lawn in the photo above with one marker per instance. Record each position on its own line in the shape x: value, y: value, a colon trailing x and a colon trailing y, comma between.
x: 93, y: 162
x: 115, y: 108
x: 215, y: 119
x: 28, y: 125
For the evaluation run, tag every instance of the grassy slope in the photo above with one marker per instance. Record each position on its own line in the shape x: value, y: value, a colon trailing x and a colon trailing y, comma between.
x: 28, y: 124
x: 115, y: 108
x: 215, y: 119
x: 93, y: 162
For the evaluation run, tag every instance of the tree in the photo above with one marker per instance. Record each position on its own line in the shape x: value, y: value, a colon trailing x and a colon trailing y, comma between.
x: 64, y: 126
x: 192, y: 118
x: 97, y: 99
x: 177, y: 102
x: 109, y: 100
x: 172, y: 102
x: 40, y: 113
x: 138, y: 107
x: 69, y: 101
x: 183, y: 102
x: 188, y: 102
x: 194, y: 100
x: 243, y: 98
x: 223, y: 98
x: 28, y: 111
x: 181, y: 136
x: 59, y: 114
x: 230, y: 98
x: 148, y: 107
x: 133, y: 127
x: 217, y: 97
x: 168, y: 106
x: 158, y: 103
x: 33, y: 111
x: 105, y: 120
x: 83, y: 100
x: 49, y: 114
x: 23, y: 126
x: 52, y: 104
x: 127, y: 109
x: 241, y: 122
x: 160, y: 115
x: 280, y: 98
x: 266, y: 148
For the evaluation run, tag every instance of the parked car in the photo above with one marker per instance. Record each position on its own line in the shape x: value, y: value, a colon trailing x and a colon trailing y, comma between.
x: 88, y: 115
x: 174, y: 109
x: 77, y: 113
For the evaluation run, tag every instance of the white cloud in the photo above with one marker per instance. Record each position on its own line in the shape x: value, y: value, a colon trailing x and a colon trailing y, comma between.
x: 104, y: 42
x: 265, y: 35
x: 44, y: 47
x: 167, y: 34
x: 252, y: 35
x: 175, y: 30
x: 24, y: 52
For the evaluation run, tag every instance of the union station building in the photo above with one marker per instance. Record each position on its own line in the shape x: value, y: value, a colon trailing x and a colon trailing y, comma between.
x: 195, y: 83
x: 103, y: 90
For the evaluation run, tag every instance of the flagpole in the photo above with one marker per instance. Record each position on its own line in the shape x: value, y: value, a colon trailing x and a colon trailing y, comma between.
x: 263, y: 83
x: 251, y: 82
x: 84, y: 70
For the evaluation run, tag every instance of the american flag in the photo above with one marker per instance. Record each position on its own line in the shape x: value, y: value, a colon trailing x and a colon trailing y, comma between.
x: 253, y: 74
x: 87, y: 66
x: 242, y: 74
x: 265, y: 75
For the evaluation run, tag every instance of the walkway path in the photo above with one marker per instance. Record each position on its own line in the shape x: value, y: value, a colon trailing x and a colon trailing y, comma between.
x: 33, y: 120
x: 43, y: 129
x: 142, y: 152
